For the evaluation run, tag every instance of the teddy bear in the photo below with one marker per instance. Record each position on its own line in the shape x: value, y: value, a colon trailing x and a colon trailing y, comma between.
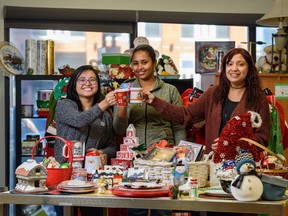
x: 265, y: 64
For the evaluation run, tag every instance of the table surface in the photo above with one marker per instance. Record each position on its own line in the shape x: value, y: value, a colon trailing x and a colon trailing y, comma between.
x: 275, y: 208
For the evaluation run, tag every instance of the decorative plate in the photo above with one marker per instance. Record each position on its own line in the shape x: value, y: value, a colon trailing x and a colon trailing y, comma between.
x: 11, y: 59
x: 75, y: 184
x: 142, y: 185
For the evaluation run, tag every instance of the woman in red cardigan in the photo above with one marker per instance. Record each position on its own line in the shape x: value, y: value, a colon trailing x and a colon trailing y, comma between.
x: 239, y: 91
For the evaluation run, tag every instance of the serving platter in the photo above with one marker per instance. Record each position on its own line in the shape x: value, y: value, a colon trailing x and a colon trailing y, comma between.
x: 146, y: 193
x: 142, y: 185
x: 217, y: 193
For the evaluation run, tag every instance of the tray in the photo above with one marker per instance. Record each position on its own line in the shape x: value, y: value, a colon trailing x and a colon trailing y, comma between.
x: 217, y: 193
x: 146, y: 193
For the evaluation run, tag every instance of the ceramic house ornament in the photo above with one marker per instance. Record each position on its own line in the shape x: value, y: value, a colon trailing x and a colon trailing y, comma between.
x: 31, y: 177
x: 246, y: 186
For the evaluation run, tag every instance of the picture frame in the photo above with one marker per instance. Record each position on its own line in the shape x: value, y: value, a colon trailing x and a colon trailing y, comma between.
x: 196, y: 150
x: 208, y: 55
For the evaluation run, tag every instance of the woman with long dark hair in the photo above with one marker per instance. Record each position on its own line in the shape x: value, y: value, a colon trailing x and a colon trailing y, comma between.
x: 239, y: 91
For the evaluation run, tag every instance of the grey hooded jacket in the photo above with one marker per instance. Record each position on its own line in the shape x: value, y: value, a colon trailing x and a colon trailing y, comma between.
x: 150, y: 125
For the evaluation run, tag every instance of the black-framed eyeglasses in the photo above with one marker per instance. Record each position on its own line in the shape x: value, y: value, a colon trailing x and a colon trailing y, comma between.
x: 83, y: 81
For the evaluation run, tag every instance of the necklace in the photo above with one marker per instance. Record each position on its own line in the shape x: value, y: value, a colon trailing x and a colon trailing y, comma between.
x: 237, y: 87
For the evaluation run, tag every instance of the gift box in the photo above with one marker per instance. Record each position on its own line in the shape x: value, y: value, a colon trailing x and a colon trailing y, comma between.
x: 131, y: 141
x: 120, y: 71
x: 125, y: 154
x: 121, y: 162
x: 126, y: 147
x: 115, y: 58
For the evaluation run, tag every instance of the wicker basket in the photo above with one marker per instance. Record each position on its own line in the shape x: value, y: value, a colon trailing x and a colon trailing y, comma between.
x: 281, y: 172
x: 56, y: 175
x: 200, y: 171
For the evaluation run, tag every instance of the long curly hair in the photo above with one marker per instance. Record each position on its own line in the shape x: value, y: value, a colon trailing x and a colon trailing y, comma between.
x: 71, y: 89
x: 252, y: 80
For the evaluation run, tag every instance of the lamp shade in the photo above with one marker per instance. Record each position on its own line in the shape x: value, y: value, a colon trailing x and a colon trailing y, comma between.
x: 278, y: 10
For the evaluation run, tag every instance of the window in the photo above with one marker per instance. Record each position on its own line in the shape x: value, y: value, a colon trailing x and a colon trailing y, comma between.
x: 73, y: 47
x: 263, y: 34
x: 187, y: 31
x: 173, y: 41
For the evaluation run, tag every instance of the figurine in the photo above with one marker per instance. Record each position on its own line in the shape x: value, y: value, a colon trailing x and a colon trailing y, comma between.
x: 102, y: 185
x: 173, y: 192
x: 247, y: 186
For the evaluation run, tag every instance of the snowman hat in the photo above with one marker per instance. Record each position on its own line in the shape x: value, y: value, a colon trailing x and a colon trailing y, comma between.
x: 240, y: 163
x: 139, y: 41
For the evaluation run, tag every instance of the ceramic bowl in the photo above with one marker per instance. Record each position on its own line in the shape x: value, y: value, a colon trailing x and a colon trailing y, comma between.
x: 226, y: 185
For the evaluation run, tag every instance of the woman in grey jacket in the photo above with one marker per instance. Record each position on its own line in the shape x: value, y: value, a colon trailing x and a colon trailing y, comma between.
x: 150, y: 125
x: 83, y: 115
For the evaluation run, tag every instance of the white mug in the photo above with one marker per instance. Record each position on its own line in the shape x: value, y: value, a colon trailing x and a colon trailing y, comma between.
x: 77, y: 149
x: 136, y: 95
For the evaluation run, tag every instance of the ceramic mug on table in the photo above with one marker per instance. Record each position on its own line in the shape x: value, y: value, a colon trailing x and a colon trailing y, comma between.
x: 77, y: 148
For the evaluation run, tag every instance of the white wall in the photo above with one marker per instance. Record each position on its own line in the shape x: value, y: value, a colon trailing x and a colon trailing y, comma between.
x: 209, y: 6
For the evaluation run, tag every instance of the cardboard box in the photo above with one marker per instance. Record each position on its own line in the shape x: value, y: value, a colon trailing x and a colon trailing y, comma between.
x: 115, y: 58
x: 121, y: 162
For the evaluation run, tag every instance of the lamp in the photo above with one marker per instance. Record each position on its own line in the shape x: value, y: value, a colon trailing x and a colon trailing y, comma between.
x: 277, y: 16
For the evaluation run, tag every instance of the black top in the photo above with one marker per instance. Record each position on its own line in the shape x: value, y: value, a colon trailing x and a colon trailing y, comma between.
x: 227, y: 110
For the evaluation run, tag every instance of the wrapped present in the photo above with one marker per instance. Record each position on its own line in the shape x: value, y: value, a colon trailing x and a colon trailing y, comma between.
x: 115, y: 58
x: 120, y: 71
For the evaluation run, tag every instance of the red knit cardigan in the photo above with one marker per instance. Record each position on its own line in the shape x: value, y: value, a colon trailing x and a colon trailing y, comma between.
x: 206, y: 109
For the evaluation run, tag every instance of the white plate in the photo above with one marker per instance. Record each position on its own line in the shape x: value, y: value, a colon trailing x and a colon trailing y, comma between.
x: 75, y: 184
x: 219, y: 193
x: 11, y: 59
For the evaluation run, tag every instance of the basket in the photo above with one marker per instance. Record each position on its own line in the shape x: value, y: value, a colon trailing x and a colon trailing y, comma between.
x: 56, y: 175
x: 200, y: 171
x: 281, y: 172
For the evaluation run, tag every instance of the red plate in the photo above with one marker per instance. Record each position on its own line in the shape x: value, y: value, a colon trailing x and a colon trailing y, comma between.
x: 126, y: 192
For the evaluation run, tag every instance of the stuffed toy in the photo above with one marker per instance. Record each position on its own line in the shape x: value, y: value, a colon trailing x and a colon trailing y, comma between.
x: 236, y: 128
x: 266, y: 64
x: 138, y: 41
x: 166, y: 66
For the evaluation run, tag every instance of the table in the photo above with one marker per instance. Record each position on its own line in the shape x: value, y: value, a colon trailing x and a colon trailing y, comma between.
x: 274, y: 208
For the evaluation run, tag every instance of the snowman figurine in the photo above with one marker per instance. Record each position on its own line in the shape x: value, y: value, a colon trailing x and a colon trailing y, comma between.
x: 246, y: 186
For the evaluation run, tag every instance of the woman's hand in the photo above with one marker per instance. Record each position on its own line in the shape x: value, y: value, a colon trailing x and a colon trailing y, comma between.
x: 148, y: 97
x: 214, y: 146
x: 110, y: 98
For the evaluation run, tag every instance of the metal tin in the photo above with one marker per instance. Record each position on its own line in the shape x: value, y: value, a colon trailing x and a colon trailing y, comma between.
x: 41, y: 57
x: 50, y: 57
x: 30, y: 56
x: 44, y: 94
x: 27, y: 110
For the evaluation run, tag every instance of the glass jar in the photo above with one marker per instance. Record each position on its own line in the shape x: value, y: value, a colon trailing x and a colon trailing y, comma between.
x: 79, y: 174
